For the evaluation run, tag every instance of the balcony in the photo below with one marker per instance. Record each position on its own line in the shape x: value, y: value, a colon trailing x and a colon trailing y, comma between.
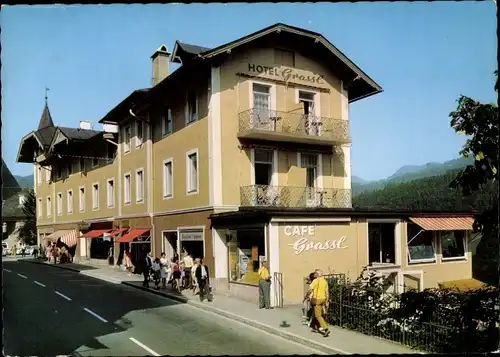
x: 294, y: 197
x: 271, y: 125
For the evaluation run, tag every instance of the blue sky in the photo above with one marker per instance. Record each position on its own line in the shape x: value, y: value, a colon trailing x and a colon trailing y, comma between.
x: 424, y: 55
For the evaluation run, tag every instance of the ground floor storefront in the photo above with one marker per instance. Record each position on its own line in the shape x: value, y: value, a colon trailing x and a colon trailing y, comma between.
x: 408, y: 252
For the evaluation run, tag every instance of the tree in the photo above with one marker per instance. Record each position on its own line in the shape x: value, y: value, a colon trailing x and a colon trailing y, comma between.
x: 480, y: 123
x: 27, y: 232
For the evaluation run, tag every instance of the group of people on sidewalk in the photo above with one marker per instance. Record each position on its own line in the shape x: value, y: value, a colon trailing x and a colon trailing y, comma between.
x: 183, y: 274
x: 55, y: 253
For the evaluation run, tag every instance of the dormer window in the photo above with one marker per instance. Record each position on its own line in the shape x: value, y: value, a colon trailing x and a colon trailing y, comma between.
x: 139, y: 132
x: 166, y: 121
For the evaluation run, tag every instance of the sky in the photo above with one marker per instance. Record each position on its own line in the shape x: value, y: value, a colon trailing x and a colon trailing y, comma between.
x: 424, y: 55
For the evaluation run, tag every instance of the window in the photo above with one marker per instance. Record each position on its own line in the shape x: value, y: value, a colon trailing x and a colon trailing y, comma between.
x: 95, y: 159
x: 126, y: 188
x: 49, y: 207
x: 310, y: 163
x: 284, y: 57
x: 40, y: 208
x: 381, y: 243
x: 59, y: 171
x: 111, y: 151
x: 139, y: 132
x: 48, y: 172
x: 82, y: 164
x: 420, y: 244
x: 111, y: 193
x: 70, y: 168
x: 39, y: 175
x: 261, y: 113
x: 139, y: 186
x: 81, y: 199
x: 192, y: 172
x: 166, y: 121
x: 95, y: 196
x: 127, y: 136
x: 452, y: 244
x: 59, y: 204
x: 246, y: 248
x: 263, y: 167
x: 192, y: 107
x: 311, y: 123
x: 70, y: 201
x: 168, y: 179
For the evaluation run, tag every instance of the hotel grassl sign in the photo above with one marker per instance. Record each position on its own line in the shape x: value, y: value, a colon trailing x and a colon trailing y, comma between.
x: 285, y: 74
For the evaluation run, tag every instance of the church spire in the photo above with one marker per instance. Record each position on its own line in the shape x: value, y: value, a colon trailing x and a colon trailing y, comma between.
x: 46, y: 119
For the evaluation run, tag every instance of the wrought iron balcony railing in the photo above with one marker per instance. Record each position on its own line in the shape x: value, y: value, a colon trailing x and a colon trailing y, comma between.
x: 294, y: 127
x: 294, y: 197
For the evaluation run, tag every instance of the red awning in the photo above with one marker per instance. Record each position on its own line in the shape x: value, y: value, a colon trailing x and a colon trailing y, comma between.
x: 134, y: 233
x: 444, y: 223
x: 95, y: 233
x: 116, y: 232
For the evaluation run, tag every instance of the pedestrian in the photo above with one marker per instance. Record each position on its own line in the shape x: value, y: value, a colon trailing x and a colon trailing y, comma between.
x: 203, y: 279
x: 176, y: 276
x: 319, y: 300
x: 13, y: 251
x: 41, y: 252
x: 146, y: 268
x: 194, y: 281
x: 156, y: 268
x: 188, y: 266
x: 23, y: 251
x: 163, y: 271
x: 307, y: 310
x: 264, y: 287
x: 128, y: 262
x: 35, y: 252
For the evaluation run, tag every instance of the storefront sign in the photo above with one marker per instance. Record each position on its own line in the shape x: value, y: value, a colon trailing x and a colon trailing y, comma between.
x: 304, y: 244
x: 286, y: 74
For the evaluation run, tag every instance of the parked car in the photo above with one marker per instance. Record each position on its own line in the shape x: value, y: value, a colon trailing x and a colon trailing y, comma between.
x: 5, y: 249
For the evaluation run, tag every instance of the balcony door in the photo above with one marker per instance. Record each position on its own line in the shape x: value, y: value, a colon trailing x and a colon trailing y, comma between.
x: 264, y: 191
x: 313, y: 191
x: 310, y: 120
x: 261, y: 113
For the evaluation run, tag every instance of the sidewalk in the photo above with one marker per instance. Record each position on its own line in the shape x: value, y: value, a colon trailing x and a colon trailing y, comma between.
x: 285, y: 322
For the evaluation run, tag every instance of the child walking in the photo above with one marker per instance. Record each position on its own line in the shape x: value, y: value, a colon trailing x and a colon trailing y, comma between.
x: 156, y: 268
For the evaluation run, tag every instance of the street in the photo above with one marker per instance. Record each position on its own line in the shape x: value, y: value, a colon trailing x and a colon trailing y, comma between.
x: 50, y: 311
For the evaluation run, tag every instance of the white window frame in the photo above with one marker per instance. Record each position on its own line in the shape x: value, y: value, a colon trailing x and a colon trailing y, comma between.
x: 95, y: 202
x: 139, y: 141
x: 438, y: 235
x: 69, y: 202
x: 39, y: 175
x: 40, y: 207
x: 317, y: 103
x: 49, y: 206
x: 165, y: 118
x: 397, y: 238
x: 168, y: 195
x: 127, y: 146
x: 138, y: 187
x: 59, y: 203
x: 272, y: 93
x: 274, y: 177
x: 48, y: 172
x: 189, y: 191
x: 81, y: 198
x: 125, y: 193
x: 110, y: 202
x: 420, y: 261
x: 188, y: 121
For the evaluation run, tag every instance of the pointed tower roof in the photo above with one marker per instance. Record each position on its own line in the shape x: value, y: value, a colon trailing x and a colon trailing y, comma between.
x: 46, y: 119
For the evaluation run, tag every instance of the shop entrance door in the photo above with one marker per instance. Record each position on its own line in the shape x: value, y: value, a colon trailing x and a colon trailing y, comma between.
x: 193, y: 242
x: 170, y: 243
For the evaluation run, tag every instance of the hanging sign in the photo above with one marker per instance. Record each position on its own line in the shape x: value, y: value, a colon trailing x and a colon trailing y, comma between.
x: 304, y: 243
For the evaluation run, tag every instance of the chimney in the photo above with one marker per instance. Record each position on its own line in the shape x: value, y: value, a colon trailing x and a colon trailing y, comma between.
x: 160, y: 59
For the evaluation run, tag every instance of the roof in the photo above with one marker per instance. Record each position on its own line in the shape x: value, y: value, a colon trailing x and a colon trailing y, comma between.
x: 185, y: 51
x: 78, y: 134
x: 122, y: 109
x: 46, y: 119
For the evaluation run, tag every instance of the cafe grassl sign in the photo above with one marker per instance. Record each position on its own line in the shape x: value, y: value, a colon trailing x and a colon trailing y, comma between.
x: 304, y: 241
x: 286, y: 74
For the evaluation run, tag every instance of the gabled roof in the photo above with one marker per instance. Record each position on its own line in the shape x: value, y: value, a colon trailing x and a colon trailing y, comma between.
x: 122, y: 108
x: 46, y: 119
x: 185, y: 51
x: 72, y: 134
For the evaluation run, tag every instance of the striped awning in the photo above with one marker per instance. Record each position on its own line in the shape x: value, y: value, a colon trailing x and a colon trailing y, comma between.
x: 70, y: 238
x: 444, y: 223
x: 57, y: 234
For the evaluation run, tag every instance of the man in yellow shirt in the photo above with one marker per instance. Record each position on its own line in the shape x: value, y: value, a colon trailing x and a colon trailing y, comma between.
x: 319, y: 298
x: 264, y: 287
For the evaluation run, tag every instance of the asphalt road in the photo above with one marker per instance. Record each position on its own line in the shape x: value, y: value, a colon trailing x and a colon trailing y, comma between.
x: 49, y: 311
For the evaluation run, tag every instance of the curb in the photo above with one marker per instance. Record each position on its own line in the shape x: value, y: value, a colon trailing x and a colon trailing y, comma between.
x: 263, y: 327
x: 53, y: 266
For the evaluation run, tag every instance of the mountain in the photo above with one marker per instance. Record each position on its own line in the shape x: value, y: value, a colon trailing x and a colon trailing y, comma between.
x: 25, y: 181
x: 409, y: 173
x: 9, y: 184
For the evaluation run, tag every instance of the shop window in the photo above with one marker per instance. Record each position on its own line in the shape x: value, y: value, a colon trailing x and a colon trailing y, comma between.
x: 193, y: 243
x: 421, y: 248
x: 452, y: 244
x: 381, y: 243
x: 246, y: 249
